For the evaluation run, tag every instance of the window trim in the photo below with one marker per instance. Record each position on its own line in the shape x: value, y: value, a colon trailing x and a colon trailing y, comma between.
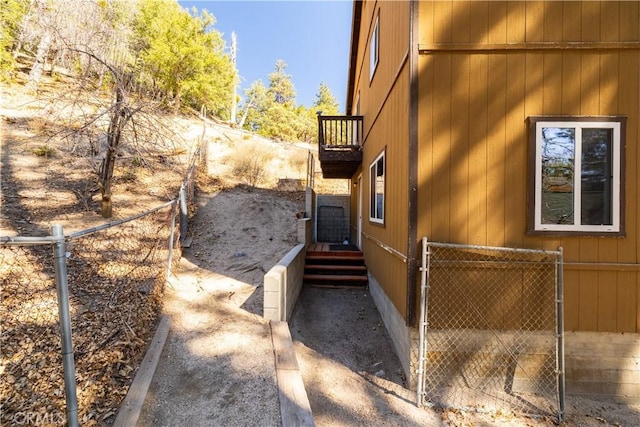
x: 374, y: 48
x: 372, y: 188
x: 534, y: 225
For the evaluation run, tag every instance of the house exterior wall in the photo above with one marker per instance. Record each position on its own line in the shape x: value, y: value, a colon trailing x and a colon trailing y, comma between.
x: 484, y: 68
x: 384, y: 102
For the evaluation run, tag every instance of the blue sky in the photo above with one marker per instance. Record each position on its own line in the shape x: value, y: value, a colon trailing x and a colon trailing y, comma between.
x: 312, y: 37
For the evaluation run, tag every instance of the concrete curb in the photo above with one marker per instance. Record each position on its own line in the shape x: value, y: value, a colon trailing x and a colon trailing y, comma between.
x: 295, y: 409
x: 132, y: 403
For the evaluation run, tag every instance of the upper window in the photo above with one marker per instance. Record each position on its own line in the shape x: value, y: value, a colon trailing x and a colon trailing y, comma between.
x: 377, y: 172
x: 577, y: 174
x: 374, y: 48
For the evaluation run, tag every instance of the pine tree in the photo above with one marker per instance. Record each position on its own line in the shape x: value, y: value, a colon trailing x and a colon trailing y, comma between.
x: 325, y: 101
x: 185, y: 56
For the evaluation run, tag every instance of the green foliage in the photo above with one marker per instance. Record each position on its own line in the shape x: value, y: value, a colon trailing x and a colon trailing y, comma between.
x: 281, y: 88
x: 44, y: 151
x: 271, y: 111
x: 11, y: 12
x: 184, y: 55
x: 325, y: 101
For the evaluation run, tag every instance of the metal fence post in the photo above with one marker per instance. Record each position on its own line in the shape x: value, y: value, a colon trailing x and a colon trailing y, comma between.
x: 560, y: 332
x: 171, y: 237
x: 183, y: 213
x: 424, y: 289
x: 62, y: 289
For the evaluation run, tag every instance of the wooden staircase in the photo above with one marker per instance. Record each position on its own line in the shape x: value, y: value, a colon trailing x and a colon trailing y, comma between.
x: 335, y: 269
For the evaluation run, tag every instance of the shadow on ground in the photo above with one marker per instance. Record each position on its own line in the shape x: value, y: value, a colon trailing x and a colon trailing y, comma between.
x: 351, y: 373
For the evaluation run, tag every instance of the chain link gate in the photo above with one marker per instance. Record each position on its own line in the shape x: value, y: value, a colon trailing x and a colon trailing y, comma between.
x: 491, y: 329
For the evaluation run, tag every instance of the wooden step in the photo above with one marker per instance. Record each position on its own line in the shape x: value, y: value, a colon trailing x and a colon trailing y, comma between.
x: 354, y: 254
x: 330, y: 269
x: 335, y: 280
x: 334, y: 259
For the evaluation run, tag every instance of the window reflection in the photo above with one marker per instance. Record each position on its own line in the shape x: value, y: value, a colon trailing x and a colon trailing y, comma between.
x: 558, y: 156
x: 596, y: 177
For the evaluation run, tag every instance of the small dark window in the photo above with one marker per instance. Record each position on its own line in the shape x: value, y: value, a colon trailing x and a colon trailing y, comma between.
x: 374, y: 48
x: 377, y: 183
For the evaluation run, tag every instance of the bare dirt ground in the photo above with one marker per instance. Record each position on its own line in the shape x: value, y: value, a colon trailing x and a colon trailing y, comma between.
x: 220, y: 365
x: 218, y: 369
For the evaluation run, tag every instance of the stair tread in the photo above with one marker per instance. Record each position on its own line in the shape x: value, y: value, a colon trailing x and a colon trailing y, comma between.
x: 351, y: 254
x: 333, y: 258
x: 335, y: 267
x: 337, y: 277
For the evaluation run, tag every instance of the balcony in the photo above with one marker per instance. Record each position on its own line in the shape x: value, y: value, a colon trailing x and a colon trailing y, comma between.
x: 339, y: 145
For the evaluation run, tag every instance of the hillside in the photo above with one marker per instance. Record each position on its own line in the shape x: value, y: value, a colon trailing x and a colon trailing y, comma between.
x: 48, y: 176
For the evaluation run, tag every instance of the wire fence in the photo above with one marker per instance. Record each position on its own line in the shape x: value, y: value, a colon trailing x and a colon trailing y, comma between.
x: 491, y: 329
x: 98, y: 292
x: 187, y: 194
x: 114, y: 275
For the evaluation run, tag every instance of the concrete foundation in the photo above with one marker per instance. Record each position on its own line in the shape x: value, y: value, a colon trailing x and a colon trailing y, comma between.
x: 405, y: 339
x: 596, y: 364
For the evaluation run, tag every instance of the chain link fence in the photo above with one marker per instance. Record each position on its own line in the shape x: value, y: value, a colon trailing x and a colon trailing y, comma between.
x: 187, y: 194
x: 115, y: 275
x: 491, y: 329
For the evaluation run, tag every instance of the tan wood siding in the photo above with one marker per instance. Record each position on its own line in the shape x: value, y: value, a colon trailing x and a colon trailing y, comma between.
x: 389, y: 134
x: 394, y: 30
x: 473, y: 106
x: 384, y: 103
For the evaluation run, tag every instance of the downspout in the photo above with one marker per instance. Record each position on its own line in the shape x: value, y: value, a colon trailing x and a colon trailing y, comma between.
x: 412, y: 229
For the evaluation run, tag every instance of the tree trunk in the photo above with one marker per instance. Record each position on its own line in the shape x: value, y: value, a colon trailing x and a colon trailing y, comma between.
x: 41, y: 57
x: 176, y: 100
x: 114, y: 134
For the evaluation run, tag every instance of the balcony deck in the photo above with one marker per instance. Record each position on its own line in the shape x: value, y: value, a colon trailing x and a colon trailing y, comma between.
x: 339, y: 145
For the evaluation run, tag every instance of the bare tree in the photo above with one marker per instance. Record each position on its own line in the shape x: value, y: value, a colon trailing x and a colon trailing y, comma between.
x: 92, y: 45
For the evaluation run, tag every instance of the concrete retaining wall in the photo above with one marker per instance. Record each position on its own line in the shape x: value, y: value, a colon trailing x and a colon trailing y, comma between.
x: 310, y: 212
x: 333, y: 218
x: 282, y: 285
x: 305, y: 231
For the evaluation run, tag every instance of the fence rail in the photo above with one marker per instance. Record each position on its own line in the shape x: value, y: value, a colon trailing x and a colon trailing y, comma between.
x: 103, y: 286
x: 97, y: 290
x: 114, y: 274
x: 491, y: 331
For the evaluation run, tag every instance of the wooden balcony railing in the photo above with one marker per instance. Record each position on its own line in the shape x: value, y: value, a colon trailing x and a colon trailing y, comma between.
x: 340, y: 145
x: 340, y: 131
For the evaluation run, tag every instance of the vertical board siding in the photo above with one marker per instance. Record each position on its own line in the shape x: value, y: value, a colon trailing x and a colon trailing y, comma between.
x: 384, y: 103
x: 390, y: 134
x: 390, y: 272
x: 394, y: 43
x: 473, y: 142
x: 496, y: 149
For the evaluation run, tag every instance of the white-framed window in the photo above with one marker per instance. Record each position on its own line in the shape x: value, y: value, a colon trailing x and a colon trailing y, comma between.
x: 377, y: 189
x: 577, y: 175
x: 374, y: 48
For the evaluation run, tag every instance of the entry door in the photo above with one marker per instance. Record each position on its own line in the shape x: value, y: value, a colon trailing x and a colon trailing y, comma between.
x: 359, y: 237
